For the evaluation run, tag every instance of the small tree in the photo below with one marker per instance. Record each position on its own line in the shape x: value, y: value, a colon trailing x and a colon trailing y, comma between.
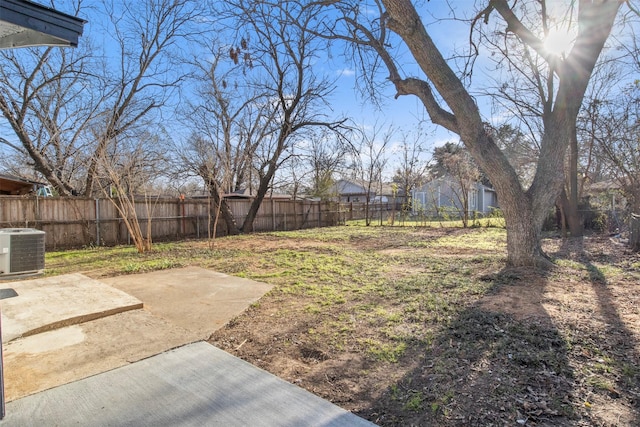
x: 325, y: 156
x: 453, y: 162
x: 369, y: 158
x: 412, y: 170
x: 126, y: 180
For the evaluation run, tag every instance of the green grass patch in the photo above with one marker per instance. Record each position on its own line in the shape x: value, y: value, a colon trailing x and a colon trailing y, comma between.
x: 382, y: 351
x: 491, y: 239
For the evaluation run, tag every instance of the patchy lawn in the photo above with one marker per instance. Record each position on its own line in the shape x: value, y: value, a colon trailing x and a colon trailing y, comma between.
x: 420, y: 326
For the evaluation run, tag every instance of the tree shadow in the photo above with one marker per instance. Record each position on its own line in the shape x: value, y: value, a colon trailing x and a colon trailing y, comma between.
x: 506, y: 361
x: 610, y: 344
x: 487, y: 367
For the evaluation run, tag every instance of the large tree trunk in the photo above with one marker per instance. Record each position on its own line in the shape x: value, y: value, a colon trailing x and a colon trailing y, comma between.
x: 247, y: 225
x: 523, y: 220
x: 225, y: 211
x: 524, y: 210
x: 574, y: 219
x: 523, y: 236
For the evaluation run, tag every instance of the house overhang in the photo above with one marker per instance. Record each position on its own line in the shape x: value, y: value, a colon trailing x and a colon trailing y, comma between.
x: 24, y: 23
x: 10, y: 185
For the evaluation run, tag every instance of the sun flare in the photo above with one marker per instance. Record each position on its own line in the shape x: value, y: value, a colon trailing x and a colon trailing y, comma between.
x: 558, y: 42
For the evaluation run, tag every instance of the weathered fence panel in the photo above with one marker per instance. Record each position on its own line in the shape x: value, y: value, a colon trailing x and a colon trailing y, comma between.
x: 76, y: 221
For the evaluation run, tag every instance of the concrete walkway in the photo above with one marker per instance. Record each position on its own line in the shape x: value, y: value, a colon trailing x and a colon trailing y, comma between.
x: 195, y: 385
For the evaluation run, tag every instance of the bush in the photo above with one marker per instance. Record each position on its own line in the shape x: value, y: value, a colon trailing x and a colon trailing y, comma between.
x: 596, y: 221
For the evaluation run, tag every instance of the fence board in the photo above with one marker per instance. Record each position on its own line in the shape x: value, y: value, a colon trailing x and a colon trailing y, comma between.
x: 76, y: 221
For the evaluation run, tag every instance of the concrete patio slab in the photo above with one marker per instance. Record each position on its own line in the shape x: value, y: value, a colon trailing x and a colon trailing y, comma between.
x: 49, y: 359
x: 194, y: 298
x: 181, y: 306
x: 195, y: 385
x: 53, y: 302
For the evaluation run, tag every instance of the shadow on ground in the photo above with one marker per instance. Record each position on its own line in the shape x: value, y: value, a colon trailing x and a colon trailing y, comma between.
x: 501, y: 363
x: 485, y: 368
x: 610, y: 348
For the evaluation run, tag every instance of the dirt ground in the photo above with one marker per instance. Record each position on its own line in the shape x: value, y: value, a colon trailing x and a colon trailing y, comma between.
x: 560, y: 348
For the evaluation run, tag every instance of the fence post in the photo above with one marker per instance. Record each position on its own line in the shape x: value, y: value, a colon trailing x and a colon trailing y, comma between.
x: 198, y: 220
x: 634, y: 235
x: 273, y: 213
x: 97, y: 222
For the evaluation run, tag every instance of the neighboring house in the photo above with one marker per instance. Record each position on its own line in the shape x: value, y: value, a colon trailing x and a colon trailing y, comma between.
x: 442, y: 193
x: 243, y: 194
x: 246, y: 194
x: 608, y: 194
x: 350, y: 191
x: 391, y: 194
x: 14, y: 186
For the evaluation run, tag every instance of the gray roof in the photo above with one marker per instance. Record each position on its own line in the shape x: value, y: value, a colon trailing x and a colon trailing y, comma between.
x: 24, y: 23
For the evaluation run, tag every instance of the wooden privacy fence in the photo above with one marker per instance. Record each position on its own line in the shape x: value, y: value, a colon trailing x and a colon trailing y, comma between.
x: 377, y: 211
x: 76, y: 222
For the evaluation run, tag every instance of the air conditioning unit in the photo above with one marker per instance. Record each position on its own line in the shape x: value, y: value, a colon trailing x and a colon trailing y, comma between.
x: 21, y: 251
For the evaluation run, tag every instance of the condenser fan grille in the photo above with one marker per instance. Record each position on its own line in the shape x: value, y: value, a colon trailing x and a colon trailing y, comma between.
x: 21, y: 251
x: 27, y: 252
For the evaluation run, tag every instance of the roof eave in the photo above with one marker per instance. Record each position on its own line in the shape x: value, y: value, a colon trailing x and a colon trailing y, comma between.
x: 24, y: 23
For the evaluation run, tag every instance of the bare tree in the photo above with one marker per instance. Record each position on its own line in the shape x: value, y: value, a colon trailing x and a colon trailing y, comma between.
x: 369, y: 158
x: 127, y: 176
x: 450, y: 104
x: 454, y: 163
x: 618, y: 134
x: 68, y: 108
x: 46, y: 98
x: 325, y: 157
x: 278, y: 45
x: 412, y: 171
x: 147, y: 35
x: 229, y: 119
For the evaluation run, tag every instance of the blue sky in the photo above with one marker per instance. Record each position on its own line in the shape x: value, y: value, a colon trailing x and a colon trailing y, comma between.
x: 405, y: 113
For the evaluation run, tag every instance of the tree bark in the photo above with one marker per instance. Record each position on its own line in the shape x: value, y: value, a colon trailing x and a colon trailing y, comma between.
x: 523, y: 234
x: 634, y: 238
x: 571, y: 216
x: 225, y: 211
